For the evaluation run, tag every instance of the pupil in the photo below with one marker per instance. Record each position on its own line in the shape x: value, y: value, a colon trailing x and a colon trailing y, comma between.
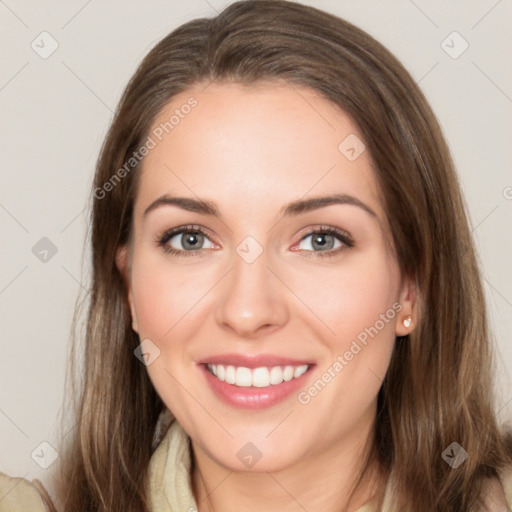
x: 191, y: 240
x: 321, y: 243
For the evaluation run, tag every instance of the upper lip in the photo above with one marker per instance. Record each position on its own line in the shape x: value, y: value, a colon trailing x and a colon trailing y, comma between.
x: 252, y: 361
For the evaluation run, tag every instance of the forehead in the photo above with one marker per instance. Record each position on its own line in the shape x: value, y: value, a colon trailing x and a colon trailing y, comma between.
x: 255, y: 146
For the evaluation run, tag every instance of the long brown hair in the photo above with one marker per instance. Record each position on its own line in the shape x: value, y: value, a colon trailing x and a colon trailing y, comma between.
x: 439, y: 387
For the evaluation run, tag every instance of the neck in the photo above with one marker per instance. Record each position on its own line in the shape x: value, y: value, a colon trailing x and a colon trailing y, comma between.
x: 331, y: 481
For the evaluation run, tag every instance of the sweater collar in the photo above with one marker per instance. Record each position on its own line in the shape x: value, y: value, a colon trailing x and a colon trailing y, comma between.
x: 170, y: 483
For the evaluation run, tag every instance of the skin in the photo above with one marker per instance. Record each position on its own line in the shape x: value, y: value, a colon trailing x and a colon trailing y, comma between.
x: 253, y: 150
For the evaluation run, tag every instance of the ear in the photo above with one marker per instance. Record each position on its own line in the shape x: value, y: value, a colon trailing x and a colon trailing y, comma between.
x: 122, y: 263
x: 408, y: 301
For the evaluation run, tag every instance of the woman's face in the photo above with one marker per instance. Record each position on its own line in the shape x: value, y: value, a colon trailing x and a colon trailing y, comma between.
x: 273, y: 285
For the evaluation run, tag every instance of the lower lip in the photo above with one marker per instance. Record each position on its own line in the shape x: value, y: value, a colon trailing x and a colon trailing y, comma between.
x: 253, y: 397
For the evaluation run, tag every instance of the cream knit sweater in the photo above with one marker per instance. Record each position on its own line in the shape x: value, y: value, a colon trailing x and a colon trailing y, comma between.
x: 170, y: 482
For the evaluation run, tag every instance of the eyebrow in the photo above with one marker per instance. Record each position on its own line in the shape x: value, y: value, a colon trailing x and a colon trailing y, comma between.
x: 294, y: 208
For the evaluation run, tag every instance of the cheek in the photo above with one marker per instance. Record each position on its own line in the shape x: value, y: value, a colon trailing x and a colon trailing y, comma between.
x: 358, y: 295
x: 166, y: 295
x: 359, y: 303
x: 169, y: 301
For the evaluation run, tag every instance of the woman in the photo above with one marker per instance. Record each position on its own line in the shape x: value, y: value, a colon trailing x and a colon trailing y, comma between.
x: 286, y: 309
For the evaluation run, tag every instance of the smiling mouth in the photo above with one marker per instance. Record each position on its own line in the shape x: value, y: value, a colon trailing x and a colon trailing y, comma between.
x: 261, y: 377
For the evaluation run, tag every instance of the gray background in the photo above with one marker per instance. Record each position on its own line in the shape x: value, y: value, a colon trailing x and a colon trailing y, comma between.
x: 55, y: 113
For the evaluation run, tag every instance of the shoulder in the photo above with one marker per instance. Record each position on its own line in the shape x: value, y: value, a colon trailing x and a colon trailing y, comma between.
x: 506, y: 482
x: 19, y: 495
x: 498, y: 496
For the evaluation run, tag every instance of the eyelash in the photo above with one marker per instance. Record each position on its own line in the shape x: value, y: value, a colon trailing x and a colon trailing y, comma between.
x: 162, y: 239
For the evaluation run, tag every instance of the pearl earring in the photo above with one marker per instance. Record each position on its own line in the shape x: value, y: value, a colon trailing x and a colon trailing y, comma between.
x: 408, y: 321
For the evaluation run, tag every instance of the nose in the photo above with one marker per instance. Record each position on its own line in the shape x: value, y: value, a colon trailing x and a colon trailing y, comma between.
x: 253, y: 301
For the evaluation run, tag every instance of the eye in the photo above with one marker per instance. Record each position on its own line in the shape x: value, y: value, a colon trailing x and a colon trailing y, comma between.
x: 189, y: 240
x: 184, y: 241
x: 326, y: 241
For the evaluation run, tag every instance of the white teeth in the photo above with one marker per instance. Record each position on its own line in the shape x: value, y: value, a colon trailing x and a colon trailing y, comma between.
x: 258, y: 377
x: 243, y: 377
x: 300, y: 370
x: 230, y: 375
x: 276, y: 375
x: 288, y: 373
